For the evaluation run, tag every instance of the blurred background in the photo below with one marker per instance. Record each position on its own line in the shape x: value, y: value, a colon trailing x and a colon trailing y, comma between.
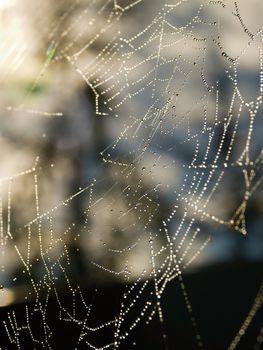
x: 131, y: 155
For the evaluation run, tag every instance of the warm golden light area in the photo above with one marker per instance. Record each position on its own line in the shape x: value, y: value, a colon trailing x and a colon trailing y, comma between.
x: 6, y: 3
x: 7, y: 297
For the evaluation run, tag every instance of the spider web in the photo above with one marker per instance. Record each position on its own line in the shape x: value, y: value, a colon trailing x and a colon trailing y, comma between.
x: 183, y: 129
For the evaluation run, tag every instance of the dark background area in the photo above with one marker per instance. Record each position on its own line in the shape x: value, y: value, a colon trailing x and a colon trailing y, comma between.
x: 221, y: 296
